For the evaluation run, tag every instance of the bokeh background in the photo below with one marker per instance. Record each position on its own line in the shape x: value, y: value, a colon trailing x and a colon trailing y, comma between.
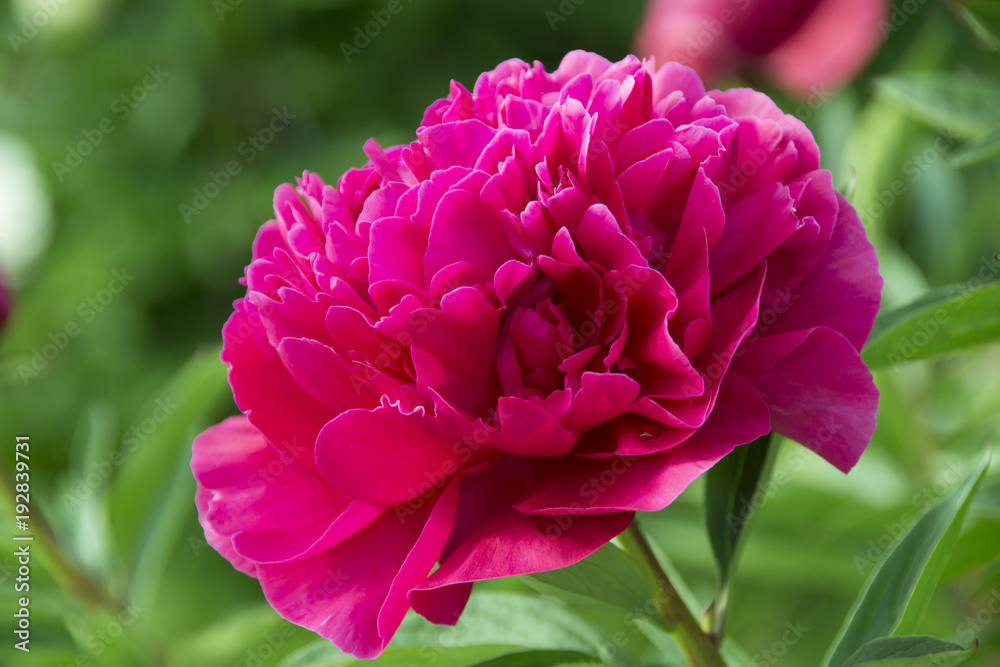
x: 112, y: 374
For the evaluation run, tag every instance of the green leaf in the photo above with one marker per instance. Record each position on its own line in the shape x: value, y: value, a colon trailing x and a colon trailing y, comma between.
x: 608, y: 579
x: 983, y: 16
x: 899, y: 588
x: 515, y: 620
x: 962, y: 104
x: 731, y: 489
x: 84, y: 496
x: 536, y: 659
x: 946, y: 319
x: 985, y: 147
x: 494, y: 630
x: 163, y: 529
x: 324, y: 654
x: 921, y: 651
x: 151, y: 446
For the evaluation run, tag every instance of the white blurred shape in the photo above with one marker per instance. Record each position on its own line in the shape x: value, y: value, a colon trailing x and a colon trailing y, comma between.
x: 25, y: 209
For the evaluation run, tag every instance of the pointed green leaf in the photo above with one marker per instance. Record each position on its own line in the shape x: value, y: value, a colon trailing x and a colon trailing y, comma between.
x: 899, y: 589
x: 731, y: 487
x: 962, y: 104
x: 609, y: 578
x: 918, y: 651
x: 946, y: 319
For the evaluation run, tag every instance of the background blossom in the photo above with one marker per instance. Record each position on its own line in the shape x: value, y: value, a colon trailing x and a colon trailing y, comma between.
x: 804, y: 46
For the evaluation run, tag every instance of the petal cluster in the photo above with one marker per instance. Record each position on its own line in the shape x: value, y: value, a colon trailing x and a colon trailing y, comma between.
x: 479, y: 354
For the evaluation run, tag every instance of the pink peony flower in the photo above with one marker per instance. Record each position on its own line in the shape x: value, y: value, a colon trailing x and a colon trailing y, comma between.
x: 805, y: 46
x: 485, y: 350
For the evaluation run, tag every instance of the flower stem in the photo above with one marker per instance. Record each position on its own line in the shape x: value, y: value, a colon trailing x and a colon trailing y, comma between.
x: 700, y: 649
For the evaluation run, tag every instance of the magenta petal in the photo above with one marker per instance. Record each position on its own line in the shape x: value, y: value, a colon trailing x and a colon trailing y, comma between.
x: 269, y: 510
x: 454, y: 350
x: 355, y: 594
x: 844, y: 291
x: 286, y: 414
x: 495, y: 540
x: 218, y: 541
x: 465, y: 230
x: 755, y: 227
x: 602, y: 397
x: 396, y: 252
x: 386, y: 457
x: 651, y: 482
x: 528, y: 429
x: 458, y: 143
x: 330, y: 379
x: 743, y: 102
x: 821, y: 394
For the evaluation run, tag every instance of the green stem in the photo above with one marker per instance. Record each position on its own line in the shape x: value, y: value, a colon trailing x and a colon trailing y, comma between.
x: 700, y: 649
x: 67, y: 575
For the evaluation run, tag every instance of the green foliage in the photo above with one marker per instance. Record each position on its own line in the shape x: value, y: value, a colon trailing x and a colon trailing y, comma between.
x: 900, y: 587
x: 911, y: 652
x: 732, y: 489
x: 608, y: 579
x: 943, y: 320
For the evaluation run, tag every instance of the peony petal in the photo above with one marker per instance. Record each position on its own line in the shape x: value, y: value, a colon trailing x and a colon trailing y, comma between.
x: 602, y: 397
x: 465, y: 230
x: 331, y: 380
x: 528, y: 429
x: 386, y: 457
x: 355, y: 594
x: 267, y: 508
x: 820, y: 394
x: 454, y: 349
x: 844, y: 291
x: 493, y: 540
x: 650, y: 482
x: 287, y: 415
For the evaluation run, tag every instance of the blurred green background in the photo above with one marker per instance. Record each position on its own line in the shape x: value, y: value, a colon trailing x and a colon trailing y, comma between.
x: 111, y: 375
